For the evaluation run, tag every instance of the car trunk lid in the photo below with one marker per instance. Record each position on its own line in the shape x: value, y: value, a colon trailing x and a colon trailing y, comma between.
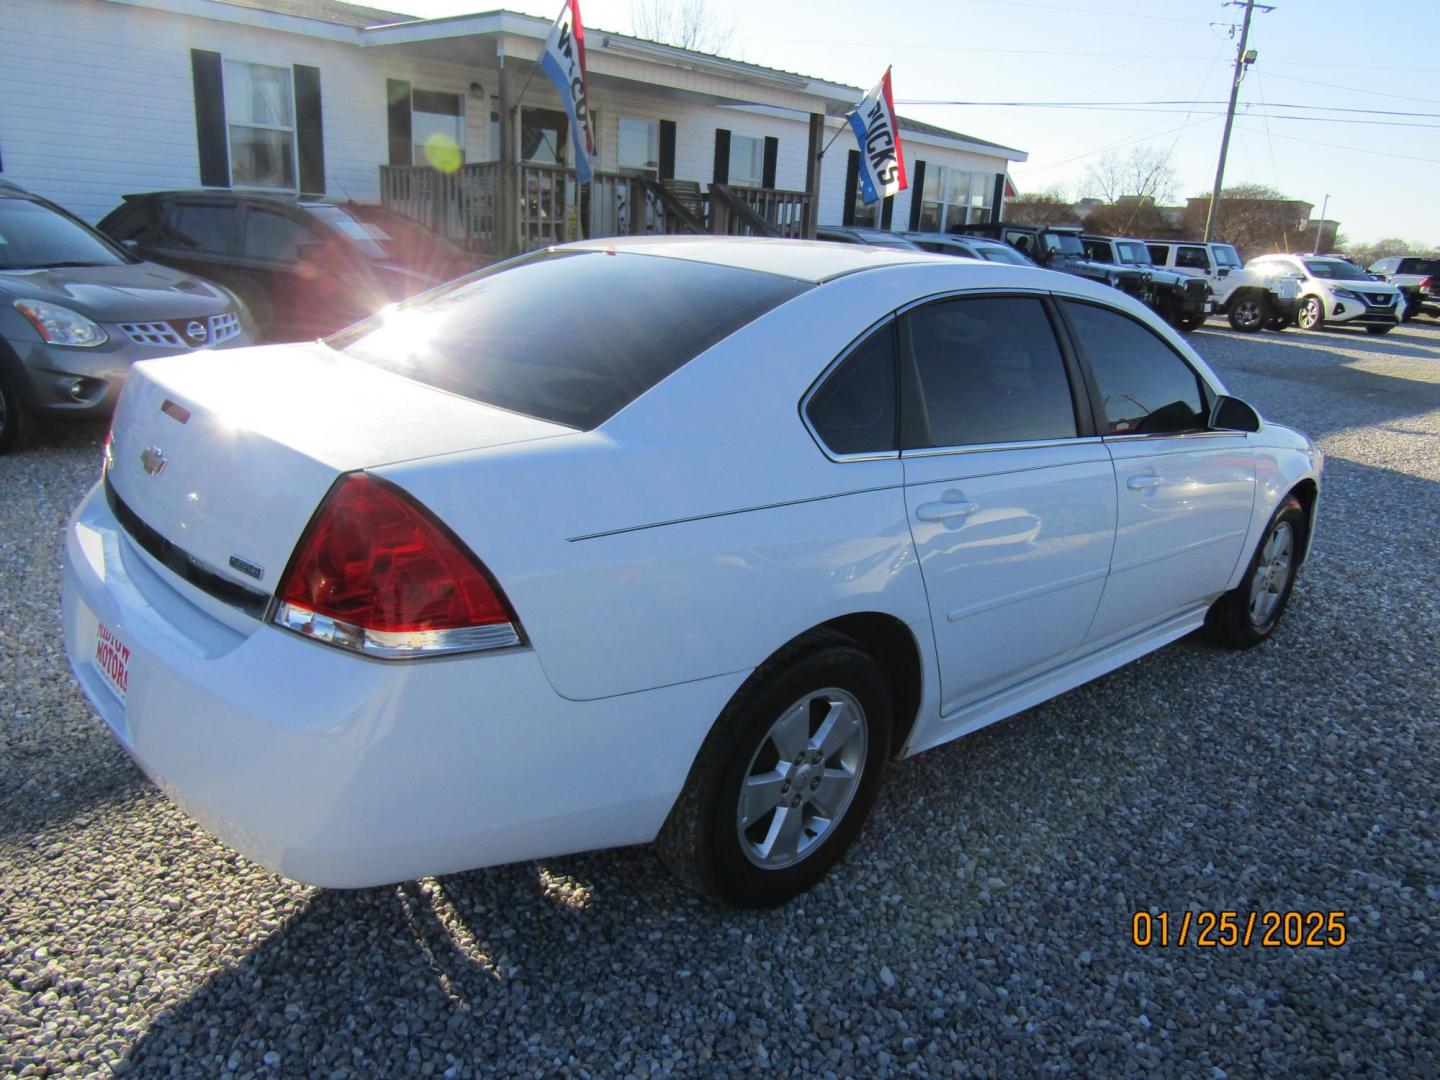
x: 222, y: 458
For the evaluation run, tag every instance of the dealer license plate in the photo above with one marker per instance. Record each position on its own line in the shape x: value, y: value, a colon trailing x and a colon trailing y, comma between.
x: 112, y: 659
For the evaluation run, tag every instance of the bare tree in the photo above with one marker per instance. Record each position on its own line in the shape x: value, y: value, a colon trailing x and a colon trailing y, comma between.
x: 1144, y: 173
x: 690, y: 24
x: 1040, y: 208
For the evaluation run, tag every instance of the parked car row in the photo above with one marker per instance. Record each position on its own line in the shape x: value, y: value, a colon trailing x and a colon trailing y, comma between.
x: 175, y: 271
x: 1185, y: 282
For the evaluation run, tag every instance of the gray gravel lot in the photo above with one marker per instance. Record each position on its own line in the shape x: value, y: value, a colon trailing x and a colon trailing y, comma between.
x: 980, y: 927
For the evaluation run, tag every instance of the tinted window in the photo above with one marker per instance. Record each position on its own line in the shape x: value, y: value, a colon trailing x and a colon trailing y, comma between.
x: 32, y: 235
x: 989, y: 371
x: 1009, y: 256
x: 567, y: 336
x: 1098, y: 250
x: 138, y: 220
x: 1429, y: 267
x: 1193, y: 258
x: 1145, y: 387
x: 271, y: 235
x: 853, y: 411
x: 1158, y: 253
x: 201, y: 227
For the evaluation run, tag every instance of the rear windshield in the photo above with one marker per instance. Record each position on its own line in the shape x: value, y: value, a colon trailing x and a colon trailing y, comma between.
x: 1420, y: 266
x: 567, y: 336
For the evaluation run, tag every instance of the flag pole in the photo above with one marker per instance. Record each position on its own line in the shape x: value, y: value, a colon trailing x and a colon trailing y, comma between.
x: 843, y: 122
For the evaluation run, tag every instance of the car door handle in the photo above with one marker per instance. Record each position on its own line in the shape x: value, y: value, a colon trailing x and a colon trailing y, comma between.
x: 1144, y: 482
x: 952, y: 505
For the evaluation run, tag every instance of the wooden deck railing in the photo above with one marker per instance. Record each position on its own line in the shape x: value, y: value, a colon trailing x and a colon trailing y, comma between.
x: 465, y: 206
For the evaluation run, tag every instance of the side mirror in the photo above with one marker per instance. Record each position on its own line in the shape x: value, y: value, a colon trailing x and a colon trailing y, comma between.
x: 1232, y: 414
x: 132, y: 245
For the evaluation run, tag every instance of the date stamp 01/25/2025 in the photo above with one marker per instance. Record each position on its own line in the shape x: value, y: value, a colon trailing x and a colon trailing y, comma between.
x: 1229, y: 929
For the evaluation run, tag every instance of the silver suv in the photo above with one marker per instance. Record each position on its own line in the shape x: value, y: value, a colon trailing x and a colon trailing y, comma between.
x: 76, y: 311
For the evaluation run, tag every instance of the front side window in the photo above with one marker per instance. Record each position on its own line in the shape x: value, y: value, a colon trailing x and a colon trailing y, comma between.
x: 989, y: 371
x: 853, y: 411
x: 202, y: 228
x: 1226, y: 255
x: 747, y: 161
x: 494, y: 337
x: 260, y: 109
x: 274, y: 236
x: 437, y: 129
x: 1146, y: 388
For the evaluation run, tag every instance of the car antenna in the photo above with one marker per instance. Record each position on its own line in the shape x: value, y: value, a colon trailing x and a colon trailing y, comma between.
x: 336, y: 181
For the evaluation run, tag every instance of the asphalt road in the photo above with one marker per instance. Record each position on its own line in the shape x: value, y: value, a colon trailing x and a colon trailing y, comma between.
x: 982, y: 925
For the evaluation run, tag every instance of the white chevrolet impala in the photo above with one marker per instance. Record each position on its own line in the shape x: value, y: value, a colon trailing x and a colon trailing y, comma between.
x: 672, y: 541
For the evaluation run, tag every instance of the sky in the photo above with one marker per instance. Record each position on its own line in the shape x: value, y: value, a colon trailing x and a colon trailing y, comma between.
x: 1376, y: 59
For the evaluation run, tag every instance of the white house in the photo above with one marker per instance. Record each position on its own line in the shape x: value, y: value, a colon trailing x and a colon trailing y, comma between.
x: 326, y: 98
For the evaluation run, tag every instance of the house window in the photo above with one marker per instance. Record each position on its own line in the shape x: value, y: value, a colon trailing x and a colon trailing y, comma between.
x: 639, y: 149
x: 953, y: 197
x: 747, y: 161
x: 437, y: 128
x: 260, y: 109
x: 868, y: 216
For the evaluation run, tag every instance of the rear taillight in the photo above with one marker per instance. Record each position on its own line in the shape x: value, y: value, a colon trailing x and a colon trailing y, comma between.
x: 377, y: 574
x: 1427, y: 284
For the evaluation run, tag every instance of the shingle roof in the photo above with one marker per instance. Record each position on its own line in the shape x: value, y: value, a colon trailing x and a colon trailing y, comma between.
x: 922, y: 128
x: 331, y: 11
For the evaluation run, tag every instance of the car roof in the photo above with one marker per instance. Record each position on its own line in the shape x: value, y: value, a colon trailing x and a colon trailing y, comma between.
x: 807, y: 260
x: 223, y: 194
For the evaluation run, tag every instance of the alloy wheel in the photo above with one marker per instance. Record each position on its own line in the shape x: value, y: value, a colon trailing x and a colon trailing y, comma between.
x: 1248, y: 313
x: 1310, y: 314
x: 801, y: 778
x: 1272, y: 573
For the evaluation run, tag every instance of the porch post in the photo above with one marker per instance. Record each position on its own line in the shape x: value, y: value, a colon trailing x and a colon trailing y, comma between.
x: 812, y: 174
x: 507, y: 232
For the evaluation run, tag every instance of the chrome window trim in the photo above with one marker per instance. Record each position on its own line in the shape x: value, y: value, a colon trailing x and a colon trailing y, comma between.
x: 986, y: 448
x: 1175, y: 435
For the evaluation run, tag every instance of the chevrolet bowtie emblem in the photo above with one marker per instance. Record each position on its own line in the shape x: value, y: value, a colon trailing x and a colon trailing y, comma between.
x: 152, y: 458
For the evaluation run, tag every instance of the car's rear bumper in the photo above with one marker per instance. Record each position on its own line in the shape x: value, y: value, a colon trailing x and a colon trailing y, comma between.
x: 345, y: 772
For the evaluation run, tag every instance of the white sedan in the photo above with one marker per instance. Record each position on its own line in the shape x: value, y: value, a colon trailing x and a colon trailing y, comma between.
x: 675, y: 541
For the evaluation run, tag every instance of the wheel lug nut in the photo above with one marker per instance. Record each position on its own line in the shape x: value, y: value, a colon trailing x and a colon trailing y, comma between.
x: 795, y: 802
x: 814, y: 783
x: 785, y: 788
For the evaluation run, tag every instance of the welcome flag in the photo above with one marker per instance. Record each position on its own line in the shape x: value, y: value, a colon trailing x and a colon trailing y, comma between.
x: 563, y: 59
x: 882, y: 160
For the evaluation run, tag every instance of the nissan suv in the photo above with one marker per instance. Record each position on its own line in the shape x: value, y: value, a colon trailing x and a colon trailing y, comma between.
x: 76, y: 311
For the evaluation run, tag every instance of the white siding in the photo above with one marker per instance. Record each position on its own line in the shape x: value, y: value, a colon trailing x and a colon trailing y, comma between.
x: 119, y: 114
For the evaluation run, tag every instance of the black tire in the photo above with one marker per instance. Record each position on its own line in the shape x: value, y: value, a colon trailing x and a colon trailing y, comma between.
x: 1280, y: 322
x: 1378, y: 329
x: 13, y: 420
x: 701, y: 840
x: 1232, y: 620
x: 1249, y: 312
x: 1311, y: 315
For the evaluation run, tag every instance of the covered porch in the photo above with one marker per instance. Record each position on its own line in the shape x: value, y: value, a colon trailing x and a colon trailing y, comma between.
x: 524, y: 194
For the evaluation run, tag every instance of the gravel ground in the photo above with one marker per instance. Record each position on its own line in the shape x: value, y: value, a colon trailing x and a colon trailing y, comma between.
x: 980, y: 927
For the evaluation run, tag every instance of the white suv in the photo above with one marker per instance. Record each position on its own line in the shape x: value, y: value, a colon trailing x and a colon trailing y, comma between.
x: 1249, y: 301
x: 1334, y: 290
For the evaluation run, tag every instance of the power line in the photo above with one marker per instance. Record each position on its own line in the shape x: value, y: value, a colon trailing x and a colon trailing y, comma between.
x: 1159, y: 101
x: 1352, y: 149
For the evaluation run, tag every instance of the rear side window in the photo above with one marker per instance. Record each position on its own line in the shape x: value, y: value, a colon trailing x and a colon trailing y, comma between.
x: 137, y: 220
x: 567, y: 336
x: 1158, y: 253
x: 853, y: 411
x: 203, y: 227
x: 1146, y: 388
x: 1192, y: 258
x: 989, y: 371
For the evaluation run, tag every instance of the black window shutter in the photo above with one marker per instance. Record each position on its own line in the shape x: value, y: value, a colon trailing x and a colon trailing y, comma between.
x: 397, y: 97
x: 309, y: 130
x: 210, y: 134
x: 887, y: 211
x: 999, y: 204
x: 917, y: 194
x: 667, y: 149
x: 772, y: 151
x: 722, y: 156
x: 852, y: 188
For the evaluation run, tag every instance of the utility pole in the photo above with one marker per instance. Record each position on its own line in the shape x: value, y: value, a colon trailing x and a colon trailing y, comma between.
x: 1320, y: 224
x: 1242, y: 60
